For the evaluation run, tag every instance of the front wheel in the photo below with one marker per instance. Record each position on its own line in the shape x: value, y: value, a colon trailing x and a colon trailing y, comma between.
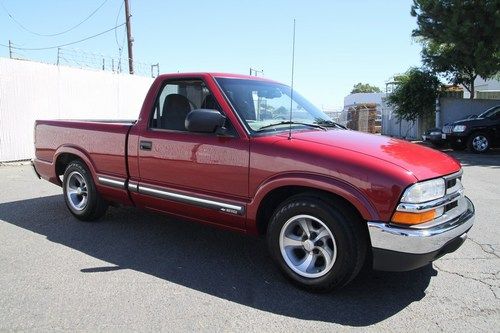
x: 479, y: 143
x: 319, y: 246
x: 80, y: 194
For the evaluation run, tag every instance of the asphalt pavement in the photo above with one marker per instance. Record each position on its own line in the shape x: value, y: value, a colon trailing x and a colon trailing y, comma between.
x: 139, y: 271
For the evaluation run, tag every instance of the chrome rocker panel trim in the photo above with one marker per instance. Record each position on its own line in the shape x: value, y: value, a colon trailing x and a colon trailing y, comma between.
x: 217, y: 205
x: 111, y: 182
x: 420, y: 241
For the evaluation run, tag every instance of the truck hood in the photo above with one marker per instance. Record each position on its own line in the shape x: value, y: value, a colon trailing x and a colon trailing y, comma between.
x: 422, y: 162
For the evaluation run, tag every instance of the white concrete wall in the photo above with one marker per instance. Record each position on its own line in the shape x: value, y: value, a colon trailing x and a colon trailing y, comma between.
x: 362, y: 98
x: 31, y: 90
x: 481, y: 84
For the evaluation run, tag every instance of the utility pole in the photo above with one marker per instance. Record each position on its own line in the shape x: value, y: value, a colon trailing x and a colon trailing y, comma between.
x: 130, y: 40
x: 10, y: 49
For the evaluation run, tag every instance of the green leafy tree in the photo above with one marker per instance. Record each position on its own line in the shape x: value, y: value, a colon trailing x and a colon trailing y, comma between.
x: 364, y: 88
x: 414, y: 94
x: 461, y: 38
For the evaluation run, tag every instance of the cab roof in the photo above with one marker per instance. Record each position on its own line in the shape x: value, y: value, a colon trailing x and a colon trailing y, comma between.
x: 216, y: 75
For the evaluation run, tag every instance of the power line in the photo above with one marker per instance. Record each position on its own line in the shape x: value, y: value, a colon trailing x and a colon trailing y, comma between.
x: 116, y: 22
x: 120, y: 47
x: 62, y: 45
x: 50, y: 35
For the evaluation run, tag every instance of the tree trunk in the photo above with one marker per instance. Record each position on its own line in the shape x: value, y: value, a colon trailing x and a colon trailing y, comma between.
x: 472, y: 88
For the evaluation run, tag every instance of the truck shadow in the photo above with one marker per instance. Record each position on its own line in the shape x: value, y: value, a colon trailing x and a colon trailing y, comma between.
x: 223, y: 264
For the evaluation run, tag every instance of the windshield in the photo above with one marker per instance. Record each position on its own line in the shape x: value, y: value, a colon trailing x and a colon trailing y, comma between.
x: 490, y: 112
x: 265, y: 106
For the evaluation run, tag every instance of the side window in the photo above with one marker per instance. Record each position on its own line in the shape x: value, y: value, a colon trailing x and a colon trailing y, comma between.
x: 177, y: 99
x: 173, y: 104
x: 496, y: 114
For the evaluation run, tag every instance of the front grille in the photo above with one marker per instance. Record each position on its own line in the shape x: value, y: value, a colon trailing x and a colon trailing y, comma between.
x: 450, y: 183
x: 450, y: 206
x: 453, y: 183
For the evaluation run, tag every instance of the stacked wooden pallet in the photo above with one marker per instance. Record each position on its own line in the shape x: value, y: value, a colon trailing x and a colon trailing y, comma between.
x: 364, y: 118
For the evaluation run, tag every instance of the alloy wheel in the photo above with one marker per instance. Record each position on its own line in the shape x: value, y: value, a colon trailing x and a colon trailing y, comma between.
x: 308, y: 246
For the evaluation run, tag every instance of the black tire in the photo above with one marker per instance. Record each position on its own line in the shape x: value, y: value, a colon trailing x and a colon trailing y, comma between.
x: 348, y: 233
x: 457, y: 146
x: 479, y: 142
x: 91, y: 205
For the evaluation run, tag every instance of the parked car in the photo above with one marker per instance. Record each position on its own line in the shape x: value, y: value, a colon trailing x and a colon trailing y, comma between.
x: 218, y: 149
x: 476, y: 133
x: 435, y: 137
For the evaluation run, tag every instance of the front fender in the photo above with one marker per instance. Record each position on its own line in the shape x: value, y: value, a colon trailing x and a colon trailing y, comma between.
x: 329, y: 184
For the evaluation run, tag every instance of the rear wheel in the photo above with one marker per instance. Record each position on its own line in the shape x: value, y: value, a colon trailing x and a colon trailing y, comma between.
x: 318, y: 246
x: 479, y: 143
x: 80, y: 194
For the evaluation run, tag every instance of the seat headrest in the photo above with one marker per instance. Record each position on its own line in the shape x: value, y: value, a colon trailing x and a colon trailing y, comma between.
x: 176, y: 103
x: 209, y: 103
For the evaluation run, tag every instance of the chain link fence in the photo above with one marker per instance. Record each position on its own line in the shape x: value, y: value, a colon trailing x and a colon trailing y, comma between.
x: 79, y: 58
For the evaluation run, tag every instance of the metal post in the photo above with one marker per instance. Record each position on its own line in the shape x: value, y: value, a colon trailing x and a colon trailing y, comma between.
x: 438, y: 113
x: 256, y: 71
x: 130, y: 39
x: 10, y: 49
x: 157, y: 66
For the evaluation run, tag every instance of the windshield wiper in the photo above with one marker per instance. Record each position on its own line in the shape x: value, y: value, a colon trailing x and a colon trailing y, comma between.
x: 292, y: 123
x: 329, y: 123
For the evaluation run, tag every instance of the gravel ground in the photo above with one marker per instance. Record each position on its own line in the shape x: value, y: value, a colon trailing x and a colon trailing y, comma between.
x: 141, y: 271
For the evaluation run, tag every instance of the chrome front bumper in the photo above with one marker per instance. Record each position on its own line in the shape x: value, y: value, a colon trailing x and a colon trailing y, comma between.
x: 415, y: 247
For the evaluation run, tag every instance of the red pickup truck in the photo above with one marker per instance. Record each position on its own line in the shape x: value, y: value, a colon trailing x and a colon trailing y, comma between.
x: 252, y: 155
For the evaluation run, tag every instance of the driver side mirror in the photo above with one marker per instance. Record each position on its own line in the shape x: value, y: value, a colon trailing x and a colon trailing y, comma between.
x: 205, y: 121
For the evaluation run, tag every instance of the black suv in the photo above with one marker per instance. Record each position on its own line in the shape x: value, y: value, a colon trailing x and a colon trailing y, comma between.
x: 478, y: 134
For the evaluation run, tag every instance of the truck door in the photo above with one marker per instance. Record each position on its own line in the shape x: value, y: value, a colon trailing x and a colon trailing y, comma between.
x: 191, y: 174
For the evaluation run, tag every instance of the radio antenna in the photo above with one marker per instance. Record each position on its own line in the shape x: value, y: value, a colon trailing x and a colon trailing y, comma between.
x: 291, y: 91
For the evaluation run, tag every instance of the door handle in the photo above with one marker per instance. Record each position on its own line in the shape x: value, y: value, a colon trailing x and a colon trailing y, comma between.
x: 145, y: 145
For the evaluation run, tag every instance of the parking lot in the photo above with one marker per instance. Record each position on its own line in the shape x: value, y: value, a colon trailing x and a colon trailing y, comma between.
x: 136, y: 270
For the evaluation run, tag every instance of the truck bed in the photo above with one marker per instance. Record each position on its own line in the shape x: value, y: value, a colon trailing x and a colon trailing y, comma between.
x: 104, y: 140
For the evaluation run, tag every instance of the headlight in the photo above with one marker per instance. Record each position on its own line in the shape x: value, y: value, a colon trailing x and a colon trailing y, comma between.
x: 424, y: 191
x: 459, y: 128
x: 435, y: 133
x: 420, y: 193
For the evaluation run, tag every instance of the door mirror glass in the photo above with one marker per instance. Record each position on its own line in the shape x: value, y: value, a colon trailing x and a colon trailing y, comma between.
x: 205, y: 121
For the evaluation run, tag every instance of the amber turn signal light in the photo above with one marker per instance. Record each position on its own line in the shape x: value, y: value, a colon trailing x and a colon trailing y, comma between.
x: 413, y: 218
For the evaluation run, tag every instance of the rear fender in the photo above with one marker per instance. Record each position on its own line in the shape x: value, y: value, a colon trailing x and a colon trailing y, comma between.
x: 81, y: 154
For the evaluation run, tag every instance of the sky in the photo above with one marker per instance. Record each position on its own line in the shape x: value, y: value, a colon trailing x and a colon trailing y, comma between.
x: 338, y: 42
